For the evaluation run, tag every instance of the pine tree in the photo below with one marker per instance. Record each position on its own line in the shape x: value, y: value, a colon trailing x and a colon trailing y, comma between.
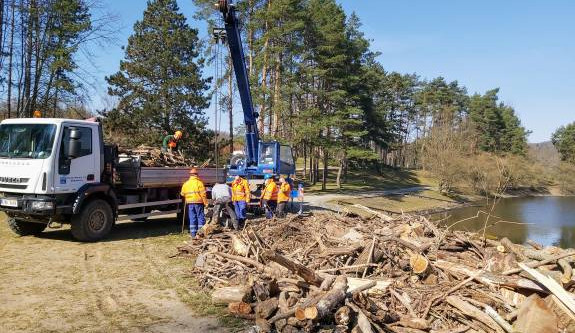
x: 564, y: 140
x: 160, y: 84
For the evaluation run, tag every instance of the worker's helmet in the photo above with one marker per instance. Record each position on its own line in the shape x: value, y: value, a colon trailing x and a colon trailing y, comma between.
x: 193, y: 171
x: 37, y: 114
x: 178, y: 134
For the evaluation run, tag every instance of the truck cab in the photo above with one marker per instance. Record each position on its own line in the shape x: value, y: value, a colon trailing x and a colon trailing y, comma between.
x: 60, y: 170
x: 43, y: 161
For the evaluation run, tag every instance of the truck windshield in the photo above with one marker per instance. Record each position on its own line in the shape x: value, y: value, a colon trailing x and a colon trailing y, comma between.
x: 267, y: 155
x: 34, y: 141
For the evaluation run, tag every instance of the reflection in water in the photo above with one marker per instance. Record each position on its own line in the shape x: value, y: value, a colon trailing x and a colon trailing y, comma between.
x: 546, y: 220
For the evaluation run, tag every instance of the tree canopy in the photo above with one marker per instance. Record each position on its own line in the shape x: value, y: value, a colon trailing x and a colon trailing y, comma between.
x: 564, y: 140
x: 160, y: 84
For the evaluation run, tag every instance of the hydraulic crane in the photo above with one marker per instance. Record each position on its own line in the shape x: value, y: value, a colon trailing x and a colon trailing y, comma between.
x: 259, y: 158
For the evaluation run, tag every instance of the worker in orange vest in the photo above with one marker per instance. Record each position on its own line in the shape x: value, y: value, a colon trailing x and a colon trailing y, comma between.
x: 194, y: 193
x: 269, y: 196
x: 284, y: 192
x: 240, y: 198
x: 170, y: 142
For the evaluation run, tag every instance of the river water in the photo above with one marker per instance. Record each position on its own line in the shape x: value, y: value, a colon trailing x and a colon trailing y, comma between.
x: 546, y: 220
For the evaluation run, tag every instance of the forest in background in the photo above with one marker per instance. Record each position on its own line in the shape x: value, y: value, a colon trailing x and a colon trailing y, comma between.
x: 315, y: 81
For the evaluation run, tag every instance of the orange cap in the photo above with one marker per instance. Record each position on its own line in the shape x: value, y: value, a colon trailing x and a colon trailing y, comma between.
x: 193, y: 171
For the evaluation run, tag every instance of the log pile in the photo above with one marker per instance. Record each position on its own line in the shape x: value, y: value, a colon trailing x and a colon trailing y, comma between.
x: 341, y: 273
x: 154, y: 157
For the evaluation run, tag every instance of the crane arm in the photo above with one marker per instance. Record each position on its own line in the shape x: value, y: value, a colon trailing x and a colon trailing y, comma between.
x: 237, y: 53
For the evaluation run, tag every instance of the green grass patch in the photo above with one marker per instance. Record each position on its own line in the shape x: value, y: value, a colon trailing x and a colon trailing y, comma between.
x: 370, y: 180
x: 424, y: 200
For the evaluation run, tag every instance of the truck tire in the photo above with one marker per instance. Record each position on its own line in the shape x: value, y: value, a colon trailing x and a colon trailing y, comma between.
x: 94, y: 221
x: 23, y: 228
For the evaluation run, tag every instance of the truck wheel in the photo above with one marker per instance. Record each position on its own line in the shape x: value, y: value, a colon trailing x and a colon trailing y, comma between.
x: 23, y: 228
x: 94, y: 221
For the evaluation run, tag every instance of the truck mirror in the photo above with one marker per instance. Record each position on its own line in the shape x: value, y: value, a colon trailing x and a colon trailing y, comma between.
x: 74, y: 144
x: 75, y: 133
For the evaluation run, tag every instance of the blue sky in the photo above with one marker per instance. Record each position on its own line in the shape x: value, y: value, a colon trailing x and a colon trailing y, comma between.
x: 526, y: 48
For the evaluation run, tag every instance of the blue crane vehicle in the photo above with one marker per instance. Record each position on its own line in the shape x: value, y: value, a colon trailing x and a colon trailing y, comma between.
x: 259, y: 158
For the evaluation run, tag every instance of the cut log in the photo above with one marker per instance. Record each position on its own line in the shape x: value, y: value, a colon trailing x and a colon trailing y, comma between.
x: 534, y: 244
x: 473, y: 312
x: 563, y: 263
x: 419, y: 264
x: 565, y: 297
x: 354, y: 285
x: 239, y: 246
x: 498, y: 319
x: 332, y: 299
x: 300, y: 313
x: 307, y: 274
x: 490, y: 279
x: 513, y: 248
x: 226, y: 295
x: 327, y: 282
x: 241, y: 308
x: 414, y: 322
x: 565, y: 319
x: 535, y: 316
x: 340, y: 251
x: 263, y: 325
x: 310, y: 312
x: 265, y: 289
x: 342, y: 316
x: 262, y: 268
x: 266, y: 308
x: 540, y: 263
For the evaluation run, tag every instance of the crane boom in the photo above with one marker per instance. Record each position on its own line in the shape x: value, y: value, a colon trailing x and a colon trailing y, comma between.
x: 237, y: 53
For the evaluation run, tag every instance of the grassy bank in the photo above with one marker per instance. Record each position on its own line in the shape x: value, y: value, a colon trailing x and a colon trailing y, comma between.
x: 369, y: 180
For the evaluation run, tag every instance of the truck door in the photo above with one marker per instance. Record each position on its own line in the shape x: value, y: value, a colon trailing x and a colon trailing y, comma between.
x: 71, y: 174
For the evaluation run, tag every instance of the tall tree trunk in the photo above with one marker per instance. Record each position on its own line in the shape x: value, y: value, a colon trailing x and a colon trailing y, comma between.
x: 28, y: 61
x: 276, y: 108
x: 250, y: 38
x: 304, y: 161
x: 10, y: 56
x: 339, y: 173
x: 21, y: 70
x: 325, y: 166
x: 261, y: 120
x: 230, y: 103
x: 2, y: 27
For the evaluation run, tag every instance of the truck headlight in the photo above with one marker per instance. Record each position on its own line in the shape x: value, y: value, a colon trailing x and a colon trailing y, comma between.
x: 42, y: 205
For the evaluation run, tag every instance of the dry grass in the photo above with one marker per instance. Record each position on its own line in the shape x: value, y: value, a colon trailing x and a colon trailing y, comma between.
x: 420, y: 201
x: 127, y: 283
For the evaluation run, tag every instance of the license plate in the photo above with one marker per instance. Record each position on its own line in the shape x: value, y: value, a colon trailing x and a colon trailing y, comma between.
x: 9, y: 202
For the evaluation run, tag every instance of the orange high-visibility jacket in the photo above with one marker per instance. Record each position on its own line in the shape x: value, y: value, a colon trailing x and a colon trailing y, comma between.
x: 194, y: 191
x: 270, y: 192
x: 240, y: 190
x: 284, y: 192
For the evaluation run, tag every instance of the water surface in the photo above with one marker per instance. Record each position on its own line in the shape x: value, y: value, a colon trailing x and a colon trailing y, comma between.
x: 546, y: 220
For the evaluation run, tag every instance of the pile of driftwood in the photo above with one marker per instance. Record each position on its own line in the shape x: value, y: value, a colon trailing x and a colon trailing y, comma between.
x: 154, y: 157
x: 335, y: 273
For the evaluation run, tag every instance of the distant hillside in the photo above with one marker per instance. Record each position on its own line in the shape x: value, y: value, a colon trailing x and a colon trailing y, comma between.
x: 544, y: 152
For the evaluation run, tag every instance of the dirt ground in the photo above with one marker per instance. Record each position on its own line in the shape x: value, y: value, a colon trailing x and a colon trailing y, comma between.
x: 127, y: 283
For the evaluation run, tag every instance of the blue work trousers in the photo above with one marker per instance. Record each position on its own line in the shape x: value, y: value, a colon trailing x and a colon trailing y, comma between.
x: 270, y: 207
x: 196, y: 217
x: 240, y: 208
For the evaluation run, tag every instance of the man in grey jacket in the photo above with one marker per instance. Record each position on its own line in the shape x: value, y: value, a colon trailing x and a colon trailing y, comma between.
x: 222, y: 198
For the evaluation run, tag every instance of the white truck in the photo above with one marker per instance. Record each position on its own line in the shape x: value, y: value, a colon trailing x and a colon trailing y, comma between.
x: 60, y: 170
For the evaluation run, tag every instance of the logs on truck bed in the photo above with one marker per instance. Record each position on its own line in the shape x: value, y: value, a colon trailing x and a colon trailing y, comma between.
x: 305, y: 274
